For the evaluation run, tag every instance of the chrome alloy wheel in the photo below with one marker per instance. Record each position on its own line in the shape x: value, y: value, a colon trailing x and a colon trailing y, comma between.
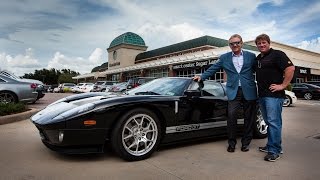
x: 261, y: 124
x: 139, y: 134
x: 6, y: 97
x: 287, y: 101
x: 307, y: 96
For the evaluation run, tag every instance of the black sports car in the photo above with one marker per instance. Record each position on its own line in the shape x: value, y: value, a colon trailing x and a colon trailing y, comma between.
x: 165, y: 110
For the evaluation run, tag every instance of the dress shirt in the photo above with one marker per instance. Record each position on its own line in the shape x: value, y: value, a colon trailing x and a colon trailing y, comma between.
x: 238, y: 62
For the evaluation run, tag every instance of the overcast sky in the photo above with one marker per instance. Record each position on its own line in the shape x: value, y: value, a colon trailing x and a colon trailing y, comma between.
x: 75, y: 34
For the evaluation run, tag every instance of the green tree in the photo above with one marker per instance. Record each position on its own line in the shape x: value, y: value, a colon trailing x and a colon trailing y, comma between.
x: 52, y: 76
x: 65, y: 78
x: 103, y: 67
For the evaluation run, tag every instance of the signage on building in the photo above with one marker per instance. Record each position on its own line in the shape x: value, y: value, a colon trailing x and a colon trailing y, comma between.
x: 194, y: 64
x: 303, y: 71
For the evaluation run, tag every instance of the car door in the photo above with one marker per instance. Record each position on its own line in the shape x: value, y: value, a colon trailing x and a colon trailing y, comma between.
x: 299, y: 89
x: 212, y: 104
x: 204, y: 111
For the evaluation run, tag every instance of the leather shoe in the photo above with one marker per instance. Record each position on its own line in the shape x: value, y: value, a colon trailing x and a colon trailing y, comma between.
x: 245, y: 148
x: 230, y: 149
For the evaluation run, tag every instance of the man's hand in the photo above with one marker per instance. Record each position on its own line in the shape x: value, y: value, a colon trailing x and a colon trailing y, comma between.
x: 276, y: 87
x: 197, y: 78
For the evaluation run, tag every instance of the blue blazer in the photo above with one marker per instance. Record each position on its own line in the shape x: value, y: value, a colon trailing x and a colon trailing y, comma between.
x: 246, y: 77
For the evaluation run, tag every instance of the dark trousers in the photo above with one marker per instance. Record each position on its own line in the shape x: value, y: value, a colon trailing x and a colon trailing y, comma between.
x: 249, y: 111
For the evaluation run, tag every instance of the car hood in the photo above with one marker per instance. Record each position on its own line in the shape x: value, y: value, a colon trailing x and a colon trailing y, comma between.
x: 69, y: 107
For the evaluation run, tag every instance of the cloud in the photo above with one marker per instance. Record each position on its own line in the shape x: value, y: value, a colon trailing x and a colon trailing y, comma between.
x: 169, y: 34
x: 277, y: 2
x: 312, y: 45
x: 19, y: 63
x: 78, y: 64
x: 25, y: 63
x: 313, y: 13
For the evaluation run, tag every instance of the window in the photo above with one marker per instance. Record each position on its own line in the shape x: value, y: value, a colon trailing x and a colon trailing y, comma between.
x: 159, y: 72
x: 115, y: 77
x: 210, y: 88
x: 133, y: 74
x: 192, y: 72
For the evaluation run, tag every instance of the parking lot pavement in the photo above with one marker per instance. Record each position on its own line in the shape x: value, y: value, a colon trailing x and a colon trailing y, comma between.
x: 23, y: 156
x: 309, y: 102
x: 47, y: 99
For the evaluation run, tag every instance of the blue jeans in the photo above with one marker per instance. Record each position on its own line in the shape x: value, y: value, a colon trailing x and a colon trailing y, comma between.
x: 271, y: 109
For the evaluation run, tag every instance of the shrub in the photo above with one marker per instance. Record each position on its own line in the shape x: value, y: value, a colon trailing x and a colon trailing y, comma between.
x: 11, y: 108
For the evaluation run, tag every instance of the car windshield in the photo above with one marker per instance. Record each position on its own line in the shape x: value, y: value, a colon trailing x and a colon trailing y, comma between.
x: 162, y: 86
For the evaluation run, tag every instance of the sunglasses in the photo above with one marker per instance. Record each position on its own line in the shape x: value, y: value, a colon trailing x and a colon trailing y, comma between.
x: 235, y: 43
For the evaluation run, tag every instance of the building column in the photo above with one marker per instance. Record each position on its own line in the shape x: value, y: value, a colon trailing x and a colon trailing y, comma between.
x: 142, y: 73
x: 171, y: 73
x: 122, y: 78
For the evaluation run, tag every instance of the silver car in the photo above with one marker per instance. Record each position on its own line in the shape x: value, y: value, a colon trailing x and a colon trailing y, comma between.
x: 40, y: 86
x: 12, y: 91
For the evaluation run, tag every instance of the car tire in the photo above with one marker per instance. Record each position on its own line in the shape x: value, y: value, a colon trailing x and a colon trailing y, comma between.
x: 8, y: 97
x: 137, y: 135
x: 287, y: 101
x: 260, y: 126
x: 307, y: 96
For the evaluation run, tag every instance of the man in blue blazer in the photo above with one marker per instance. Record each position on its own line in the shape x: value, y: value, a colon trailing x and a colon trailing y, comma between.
x: 241, y: 89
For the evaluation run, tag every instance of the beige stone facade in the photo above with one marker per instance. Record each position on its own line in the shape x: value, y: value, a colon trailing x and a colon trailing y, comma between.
x: 123, y: 55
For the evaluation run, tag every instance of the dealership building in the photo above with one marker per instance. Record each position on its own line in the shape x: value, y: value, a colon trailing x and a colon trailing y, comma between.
x: 128, y: 58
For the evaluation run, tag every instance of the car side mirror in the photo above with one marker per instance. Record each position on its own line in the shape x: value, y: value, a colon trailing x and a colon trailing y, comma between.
x: 192, y: 93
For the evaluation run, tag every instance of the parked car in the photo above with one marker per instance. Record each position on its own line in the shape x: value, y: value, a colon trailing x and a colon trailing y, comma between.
x: 80, y: 88
x: 290, y: 98
x: 39, y: 85
x: 101, y: 86
x: 305, y: 90
x: 57, y: 89
x: 13, y: 91
x: 119, y: 87
x: 66, y: 87
x: 135, y: 82
x: 87, y: 88
x: 46, y: 87
x: 76, y: 89
x: 51, y: 87
x: 165, y: 110
x: 317, y: 83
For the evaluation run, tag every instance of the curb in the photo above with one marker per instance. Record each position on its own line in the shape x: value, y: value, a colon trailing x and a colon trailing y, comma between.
x: 18, y: 117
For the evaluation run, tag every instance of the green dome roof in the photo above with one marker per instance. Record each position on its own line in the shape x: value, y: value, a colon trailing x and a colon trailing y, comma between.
x: 128, y: 38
